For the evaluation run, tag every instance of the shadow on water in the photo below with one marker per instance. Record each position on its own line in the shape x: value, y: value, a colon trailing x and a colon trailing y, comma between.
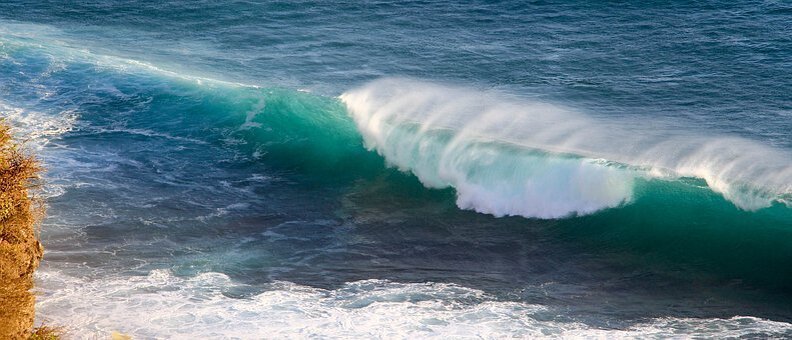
x: 685, y: 253
x: 706, y: 259
x: 678, y: 250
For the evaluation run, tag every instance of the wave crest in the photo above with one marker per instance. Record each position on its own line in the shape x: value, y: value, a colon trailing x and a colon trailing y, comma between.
x: 510, y: 157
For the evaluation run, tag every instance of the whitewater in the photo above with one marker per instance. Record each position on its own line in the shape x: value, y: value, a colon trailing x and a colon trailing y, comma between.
x: 538, y: 160
x: 434, y: 170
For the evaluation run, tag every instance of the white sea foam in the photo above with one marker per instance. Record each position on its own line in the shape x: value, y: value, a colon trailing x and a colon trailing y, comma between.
x: 512, y: 157
x: 163, y: 306
x: 37, y: 127
x: 36, y: 130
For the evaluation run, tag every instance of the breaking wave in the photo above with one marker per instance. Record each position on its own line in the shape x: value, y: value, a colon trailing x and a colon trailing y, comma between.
x: 509, y: 157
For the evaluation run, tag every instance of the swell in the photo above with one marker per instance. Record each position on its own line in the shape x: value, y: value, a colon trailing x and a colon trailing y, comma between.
x: 501, y: 156
x: 679, y: 196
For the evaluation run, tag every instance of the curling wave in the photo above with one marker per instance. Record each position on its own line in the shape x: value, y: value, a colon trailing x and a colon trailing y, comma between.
x: 507, y: 157
x: 502, y: 156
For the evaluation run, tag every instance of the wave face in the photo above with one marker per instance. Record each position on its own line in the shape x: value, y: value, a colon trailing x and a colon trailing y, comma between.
x: 508, y: 157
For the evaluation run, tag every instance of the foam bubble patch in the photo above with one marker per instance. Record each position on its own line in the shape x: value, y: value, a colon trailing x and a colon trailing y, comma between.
x: 162, y: 305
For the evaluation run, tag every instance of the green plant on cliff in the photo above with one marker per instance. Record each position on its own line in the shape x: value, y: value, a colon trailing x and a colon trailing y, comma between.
x: 46, y: 333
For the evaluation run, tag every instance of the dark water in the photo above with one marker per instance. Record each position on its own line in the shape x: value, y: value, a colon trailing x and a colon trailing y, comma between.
x: 409, y: 169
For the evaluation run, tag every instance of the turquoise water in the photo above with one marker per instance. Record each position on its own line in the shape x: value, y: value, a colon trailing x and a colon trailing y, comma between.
x: 415, y: 169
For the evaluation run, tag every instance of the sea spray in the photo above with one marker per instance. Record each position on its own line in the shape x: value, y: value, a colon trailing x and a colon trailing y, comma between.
x: 402, y: 118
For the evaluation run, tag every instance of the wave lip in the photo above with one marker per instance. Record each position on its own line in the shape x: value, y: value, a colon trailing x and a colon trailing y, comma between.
x: 509, y: 157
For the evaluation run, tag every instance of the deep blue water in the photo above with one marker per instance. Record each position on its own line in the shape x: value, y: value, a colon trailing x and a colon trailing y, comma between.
x: 408, y: 169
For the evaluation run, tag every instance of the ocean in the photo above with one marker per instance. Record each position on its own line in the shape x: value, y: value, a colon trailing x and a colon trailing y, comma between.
x: 408, y: 169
